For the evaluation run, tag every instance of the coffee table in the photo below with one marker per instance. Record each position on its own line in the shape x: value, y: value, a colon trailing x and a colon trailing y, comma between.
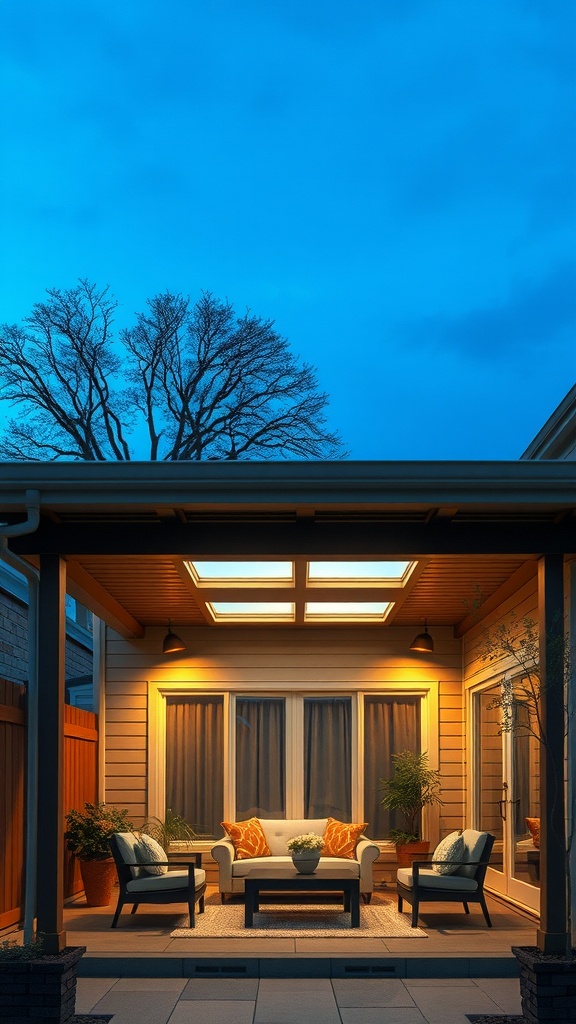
x: 288, y: 879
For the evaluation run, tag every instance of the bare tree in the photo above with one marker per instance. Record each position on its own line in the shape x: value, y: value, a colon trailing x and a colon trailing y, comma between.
x: 199, y: 381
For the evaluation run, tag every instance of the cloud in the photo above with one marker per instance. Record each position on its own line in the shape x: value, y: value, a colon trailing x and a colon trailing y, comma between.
x: 537, y: 317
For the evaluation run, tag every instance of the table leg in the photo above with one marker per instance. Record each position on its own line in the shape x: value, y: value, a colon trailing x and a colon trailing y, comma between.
x: 250, y: 902
x: 347, y: 895
x: 355, y: 907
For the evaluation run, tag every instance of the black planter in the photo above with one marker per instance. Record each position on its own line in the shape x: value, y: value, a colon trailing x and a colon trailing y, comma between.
x: 40, y: 990
x: 547, y: 985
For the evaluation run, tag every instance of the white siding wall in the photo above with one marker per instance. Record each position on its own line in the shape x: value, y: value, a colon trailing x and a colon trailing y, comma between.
x: 278, y: 659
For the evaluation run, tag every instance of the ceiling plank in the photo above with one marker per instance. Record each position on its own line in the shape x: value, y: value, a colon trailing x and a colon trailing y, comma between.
x: 84, y: 588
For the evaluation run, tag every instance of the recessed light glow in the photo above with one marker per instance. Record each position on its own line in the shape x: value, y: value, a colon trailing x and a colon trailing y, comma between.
x: 347, y: 611
x: 224, y: 574
x: 256, y: 611
x: 374, y: 573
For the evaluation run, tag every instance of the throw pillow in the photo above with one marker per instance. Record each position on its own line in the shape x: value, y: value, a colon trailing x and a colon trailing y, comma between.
x: 449, y: 849
x: 340, y: 838
x: 248, y: 838
x: 149, y: 850
x: 533, y: 826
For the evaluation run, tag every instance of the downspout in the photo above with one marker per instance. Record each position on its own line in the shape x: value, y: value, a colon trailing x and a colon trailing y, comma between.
x: 29, y: 525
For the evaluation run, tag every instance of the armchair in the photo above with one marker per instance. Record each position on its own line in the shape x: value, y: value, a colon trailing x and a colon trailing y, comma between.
x: 137, y: 887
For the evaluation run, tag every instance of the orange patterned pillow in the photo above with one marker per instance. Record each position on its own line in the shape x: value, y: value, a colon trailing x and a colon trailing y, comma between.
x: 248, y: 838
x: 340, y: 838
x: 533, y: 825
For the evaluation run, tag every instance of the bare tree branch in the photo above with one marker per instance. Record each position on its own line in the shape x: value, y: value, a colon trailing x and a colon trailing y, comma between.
x: 205, y: 384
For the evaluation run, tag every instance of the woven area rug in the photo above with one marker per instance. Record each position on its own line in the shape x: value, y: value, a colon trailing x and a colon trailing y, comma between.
x: 300, y: 920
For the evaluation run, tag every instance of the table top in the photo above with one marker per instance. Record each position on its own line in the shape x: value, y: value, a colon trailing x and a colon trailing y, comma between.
x: 288, y: 872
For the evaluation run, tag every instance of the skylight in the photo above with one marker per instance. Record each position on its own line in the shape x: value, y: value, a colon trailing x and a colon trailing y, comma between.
x: 242, y: 574
x: 347, y: 611
x: 255, y: 611
x: 352, y: 574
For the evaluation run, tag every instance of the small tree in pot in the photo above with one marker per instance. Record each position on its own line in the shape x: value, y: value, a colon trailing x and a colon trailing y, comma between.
x: 412, y: 786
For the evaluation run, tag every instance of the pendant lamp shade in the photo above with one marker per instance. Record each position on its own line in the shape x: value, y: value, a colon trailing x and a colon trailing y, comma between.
x: 172, y: 643
x: 423, y: 642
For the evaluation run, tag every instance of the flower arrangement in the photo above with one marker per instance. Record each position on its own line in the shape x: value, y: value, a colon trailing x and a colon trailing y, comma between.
x: 89, y: 830
x: 304, y: 842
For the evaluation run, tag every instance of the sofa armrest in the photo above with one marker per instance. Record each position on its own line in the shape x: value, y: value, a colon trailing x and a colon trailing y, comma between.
x: 223, y: 854
x: 366, y: 853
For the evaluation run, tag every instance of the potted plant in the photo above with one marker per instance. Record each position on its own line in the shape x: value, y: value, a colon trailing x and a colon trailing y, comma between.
x: 173, y: 831
x: 413, y: 786
x: 87, y: 838
x: 305, y: 850
x: 33, y: 981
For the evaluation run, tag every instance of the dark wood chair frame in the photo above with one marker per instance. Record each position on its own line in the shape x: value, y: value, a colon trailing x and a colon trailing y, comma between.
x: 418, y: 893
x: 186, y: 894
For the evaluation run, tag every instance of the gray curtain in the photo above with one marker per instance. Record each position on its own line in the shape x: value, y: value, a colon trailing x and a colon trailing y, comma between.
x: 260, y: 758
x: 328, y: 758
x: 195, y: 760
x: 390, y: 726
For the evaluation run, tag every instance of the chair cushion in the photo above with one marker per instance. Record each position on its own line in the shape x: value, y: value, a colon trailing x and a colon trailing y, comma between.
x: 127, y: 844
x: 340, y: 838
x: 149, y: 850
x: 429, y: 879
x: 474, y: 843
x: 240, y: 868
x: 248, y: 838
x: 533, y: 826
x: 165, y: 883
x: 449, y: 849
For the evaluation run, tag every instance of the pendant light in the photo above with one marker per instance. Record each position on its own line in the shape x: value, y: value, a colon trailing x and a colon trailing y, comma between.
x: 172, y: 643
x: 423, y: 642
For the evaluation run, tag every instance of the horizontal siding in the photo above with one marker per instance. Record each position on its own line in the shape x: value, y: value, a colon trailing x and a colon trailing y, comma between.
x: 276, y: 660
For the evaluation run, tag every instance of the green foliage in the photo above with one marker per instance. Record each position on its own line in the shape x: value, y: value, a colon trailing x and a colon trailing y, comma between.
x: 89, y: 830
x: 413, y: 785
x: 12, y: 950
x: 174, y: 828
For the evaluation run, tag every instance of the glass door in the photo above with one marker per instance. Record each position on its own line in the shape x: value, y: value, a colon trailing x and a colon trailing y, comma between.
x: 506, y: 793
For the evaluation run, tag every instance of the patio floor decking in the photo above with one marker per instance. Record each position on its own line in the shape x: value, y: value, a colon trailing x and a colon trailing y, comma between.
x: 457, y: 945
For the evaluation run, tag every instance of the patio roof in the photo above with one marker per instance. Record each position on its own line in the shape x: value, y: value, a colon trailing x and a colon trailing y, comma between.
x: 125, y: 529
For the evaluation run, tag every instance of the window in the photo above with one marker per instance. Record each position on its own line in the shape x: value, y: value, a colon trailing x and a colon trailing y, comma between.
x: 284, y: 756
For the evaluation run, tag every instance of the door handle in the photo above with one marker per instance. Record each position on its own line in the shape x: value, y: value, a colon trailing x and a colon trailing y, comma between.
x: 502, y: 809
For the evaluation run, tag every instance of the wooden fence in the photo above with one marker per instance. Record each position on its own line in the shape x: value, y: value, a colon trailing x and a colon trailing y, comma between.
x: 80, y: 785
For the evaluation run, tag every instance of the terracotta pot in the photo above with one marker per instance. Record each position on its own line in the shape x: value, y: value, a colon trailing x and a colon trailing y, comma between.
x: 407, y: 852
x: 98, y: 877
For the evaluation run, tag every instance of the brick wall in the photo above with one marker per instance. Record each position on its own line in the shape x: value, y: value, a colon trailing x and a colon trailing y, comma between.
x: 14, y: 644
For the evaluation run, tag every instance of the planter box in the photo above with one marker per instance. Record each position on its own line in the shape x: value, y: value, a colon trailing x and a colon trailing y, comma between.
x: 547, y: 985
x: 40, y: 990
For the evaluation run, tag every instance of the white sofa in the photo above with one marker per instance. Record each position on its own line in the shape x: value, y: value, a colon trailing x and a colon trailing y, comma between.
x: 278, y: 831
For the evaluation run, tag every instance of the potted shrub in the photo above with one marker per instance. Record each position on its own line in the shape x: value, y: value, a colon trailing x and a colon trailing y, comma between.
x: 413, y: 786
x: 174, y: 831
x: 38, y: 985
x: 87, y: 838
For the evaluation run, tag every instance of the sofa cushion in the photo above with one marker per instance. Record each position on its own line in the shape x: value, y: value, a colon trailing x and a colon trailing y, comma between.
x: 429, y: 879
x: 240, y: 868
x: 279, y: 830
x: 165, y: 883
x: 127, y: 844
x: 474, y: 843
x: 248, y: 838
x: 340, y: 838
x: 149, y: 850
x: 449, y: 849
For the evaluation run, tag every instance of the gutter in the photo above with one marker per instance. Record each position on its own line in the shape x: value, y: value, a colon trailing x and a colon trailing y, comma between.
x: 30, y: 525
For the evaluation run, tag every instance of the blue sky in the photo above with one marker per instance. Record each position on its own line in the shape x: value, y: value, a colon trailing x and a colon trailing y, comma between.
x: 393, y: 182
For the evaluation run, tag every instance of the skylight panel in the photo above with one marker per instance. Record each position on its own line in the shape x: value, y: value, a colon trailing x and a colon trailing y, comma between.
x: 244, y: 574
x: 347, y: 611
x: 359, y: 573
x: 252, y: 611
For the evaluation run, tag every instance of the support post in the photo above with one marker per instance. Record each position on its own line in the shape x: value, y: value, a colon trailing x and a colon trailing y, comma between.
x: 51, y: 649
x: 552, y: 936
